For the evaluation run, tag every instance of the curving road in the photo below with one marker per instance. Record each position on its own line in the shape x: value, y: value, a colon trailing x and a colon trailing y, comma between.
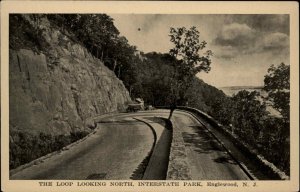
x: 121, y: 143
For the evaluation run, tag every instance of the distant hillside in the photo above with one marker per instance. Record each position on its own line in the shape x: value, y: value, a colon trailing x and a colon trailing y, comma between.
x: 230, y: 91
x: 154, y: 88
x: 203, y: 96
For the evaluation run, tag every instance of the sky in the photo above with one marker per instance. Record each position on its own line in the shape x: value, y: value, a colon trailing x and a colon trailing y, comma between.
x: 243, y: 46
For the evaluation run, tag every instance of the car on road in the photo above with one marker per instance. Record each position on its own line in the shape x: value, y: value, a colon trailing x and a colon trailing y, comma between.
x: 134, y: 107
x: 138, y: 104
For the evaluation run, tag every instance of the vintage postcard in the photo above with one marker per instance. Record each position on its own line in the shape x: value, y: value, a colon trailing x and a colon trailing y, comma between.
x: 149, y: 96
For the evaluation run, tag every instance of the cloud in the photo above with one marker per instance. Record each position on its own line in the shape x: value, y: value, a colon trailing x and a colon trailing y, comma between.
x: 238, y: 39
x: 225, y: 52
x: 234, y: 39
x: 265, y: 22
x: 229, y: 35
x: 235, y: 34
x: 275, y: 41
x: 244, y: 45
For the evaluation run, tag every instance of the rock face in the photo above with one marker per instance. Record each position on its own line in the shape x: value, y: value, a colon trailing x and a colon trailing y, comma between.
x: 58, y: 90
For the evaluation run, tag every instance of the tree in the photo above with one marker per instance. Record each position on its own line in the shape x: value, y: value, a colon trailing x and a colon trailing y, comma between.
x: 277, y: 85
x: 152, y: 82
x: 248, y: 114
x: 96, y: 31
x: 188, y: 62
x: 275, y: 142
x: 221, y: 108
x: 99, y: 35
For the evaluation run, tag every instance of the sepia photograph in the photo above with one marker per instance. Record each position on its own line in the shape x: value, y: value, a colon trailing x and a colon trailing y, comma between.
x: 110, y: 99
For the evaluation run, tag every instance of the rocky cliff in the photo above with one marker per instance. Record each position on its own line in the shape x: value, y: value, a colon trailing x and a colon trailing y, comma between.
x: 56, y: 90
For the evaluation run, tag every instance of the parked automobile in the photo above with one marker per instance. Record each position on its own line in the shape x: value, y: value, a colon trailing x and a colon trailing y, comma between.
x: 134, y: 107
x: 138, y: 104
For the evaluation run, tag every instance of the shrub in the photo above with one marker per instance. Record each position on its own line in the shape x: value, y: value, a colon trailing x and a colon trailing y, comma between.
x: 25, y: 147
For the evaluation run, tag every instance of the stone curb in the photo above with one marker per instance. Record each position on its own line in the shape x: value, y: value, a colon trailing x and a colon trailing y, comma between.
x: 178, y: 168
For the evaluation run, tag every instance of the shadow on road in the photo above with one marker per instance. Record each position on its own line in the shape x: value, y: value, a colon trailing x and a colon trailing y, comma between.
x: 140, y: 170
x: 224, y: 159
x: 155, y: 165
x: 201, y: 140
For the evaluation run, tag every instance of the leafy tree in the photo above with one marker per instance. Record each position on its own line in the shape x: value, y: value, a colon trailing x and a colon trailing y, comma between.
x: 277, y: 85
x: 189, y: 62
x: 221, y: 109
x: 96, y: 31
x: 66, y: 22
x: 99, y: 35
x: 275, y: 142
x: 152, y: 81
x: 23, y: 34
x: 25, y: 147
x: 248, y: 114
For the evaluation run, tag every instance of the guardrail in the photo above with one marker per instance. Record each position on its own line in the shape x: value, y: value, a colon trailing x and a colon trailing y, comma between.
x: 264, y: 165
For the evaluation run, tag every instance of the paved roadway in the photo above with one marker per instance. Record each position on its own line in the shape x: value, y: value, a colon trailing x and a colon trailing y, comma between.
x: 207, y: 158
x: 120, y: 145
